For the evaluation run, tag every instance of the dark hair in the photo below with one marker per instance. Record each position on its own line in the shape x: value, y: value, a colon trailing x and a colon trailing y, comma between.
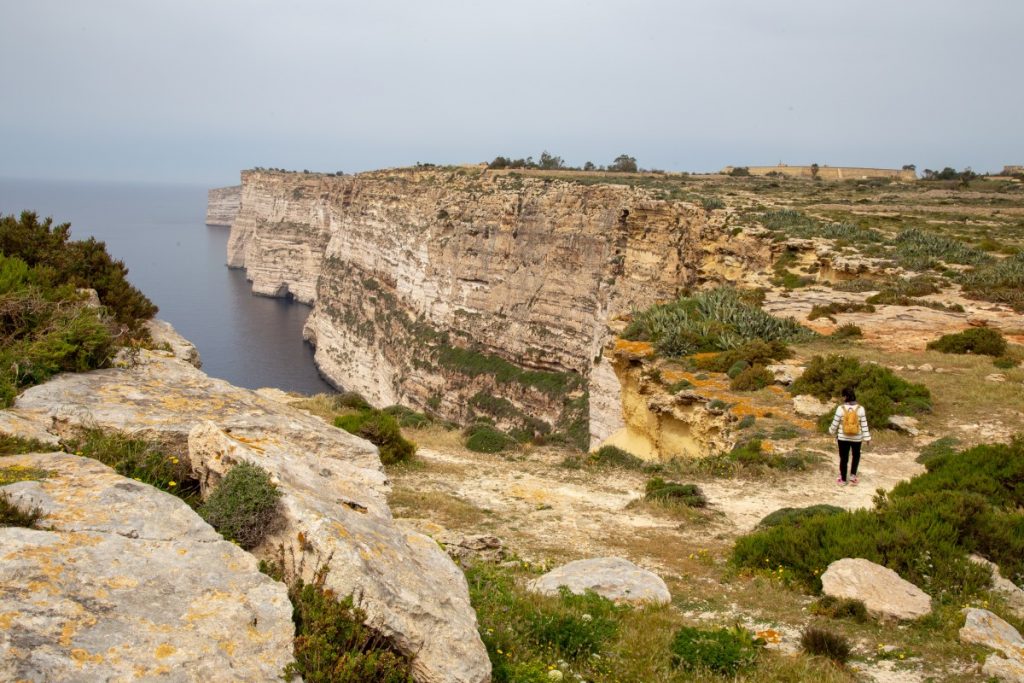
x: 849, y: 395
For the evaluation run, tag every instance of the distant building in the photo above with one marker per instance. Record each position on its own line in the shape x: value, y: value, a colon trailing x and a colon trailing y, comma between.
x: 830, y: 172
x: 1013, y: 170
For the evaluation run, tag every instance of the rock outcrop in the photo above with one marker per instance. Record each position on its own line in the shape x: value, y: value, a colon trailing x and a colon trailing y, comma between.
x: 614, y: 578
x: 1009, y: 591
x: 334, y: 496
x: 123, y: 581
x: 432, y: 287
x: 981, y: 627
x: 222, y: 205
x: 882, y: 591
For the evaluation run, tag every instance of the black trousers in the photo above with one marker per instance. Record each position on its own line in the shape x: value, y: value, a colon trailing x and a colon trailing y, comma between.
x: 844, y: 454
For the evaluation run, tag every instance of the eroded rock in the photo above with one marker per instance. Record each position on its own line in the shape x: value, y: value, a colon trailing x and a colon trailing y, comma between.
x: 881, y: 589
x: 905, y: 424
x: 981, y: 627
x: 334, y: 496
x: 810, y: 406
x: 614, y: 578
x: 164, y: 335
x: 126, y: 582
x: 1010, y: 591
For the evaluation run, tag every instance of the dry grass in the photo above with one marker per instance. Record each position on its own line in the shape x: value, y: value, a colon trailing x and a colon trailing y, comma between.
x: 445, y: 509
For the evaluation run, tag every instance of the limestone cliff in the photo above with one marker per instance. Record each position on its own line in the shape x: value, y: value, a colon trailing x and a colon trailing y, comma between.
x: 467, y: 292
x: 222, y: 205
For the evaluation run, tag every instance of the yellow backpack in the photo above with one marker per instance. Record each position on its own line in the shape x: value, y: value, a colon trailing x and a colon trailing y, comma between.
x: 851, y: 421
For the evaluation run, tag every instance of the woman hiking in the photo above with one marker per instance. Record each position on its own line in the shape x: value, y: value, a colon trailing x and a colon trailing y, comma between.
x: 850, y: 425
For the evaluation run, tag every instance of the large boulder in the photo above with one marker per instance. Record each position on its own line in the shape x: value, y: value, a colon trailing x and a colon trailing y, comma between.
x: 810, y: 406
x: 981, y: 627
x: 614, y: 578
x: 1010, y: 591
x: 882, y: 591
x: 125, y: 582
x: 333, y: 496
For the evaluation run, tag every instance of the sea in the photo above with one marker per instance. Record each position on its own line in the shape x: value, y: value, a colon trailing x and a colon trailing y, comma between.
x: 178, y: 261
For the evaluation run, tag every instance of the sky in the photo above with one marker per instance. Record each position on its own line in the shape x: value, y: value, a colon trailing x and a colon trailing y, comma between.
x: 192, y: 91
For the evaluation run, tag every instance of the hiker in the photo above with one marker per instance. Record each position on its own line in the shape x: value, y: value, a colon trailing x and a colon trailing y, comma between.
x: 851, y: 428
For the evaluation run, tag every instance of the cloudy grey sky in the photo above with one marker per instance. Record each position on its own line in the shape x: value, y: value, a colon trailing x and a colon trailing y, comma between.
x: 193, y: 91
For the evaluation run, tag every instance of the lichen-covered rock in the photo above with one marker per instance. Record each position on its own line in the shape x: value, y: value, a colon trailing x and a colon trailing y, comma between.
x: 125, y: 582
x: 333, y: 496
x: 614, y: 578
x: 884, y: 593
x: 981, y: 627
x: 164, y: 335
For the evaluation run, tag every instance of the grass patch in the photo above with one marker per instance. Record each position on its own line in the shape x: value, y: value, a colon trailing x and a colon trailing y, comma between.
x: 940, y: 448
x: 244, y: 506
x: 840, y: 608
x: 751, y: 379
x: 847, y: 331
x: 674, y: 494
x: 825, y: 643
x: 16, y: 473
x: 714, y: 320
x: 474, y: 364
x: 14, y: 445
x: 613, y: 456
x: 407, y: 418
x: 15, y: 515
x: 1000, y: 282
x: 723, y: 651
x: 332, y: 644
x: 483, y: 438
x: 734, y: 361
x: 147, y: 461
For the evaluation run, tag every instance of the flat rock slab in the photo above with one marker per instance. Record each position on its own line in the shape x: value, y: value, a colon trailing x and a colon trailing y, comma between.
x: 981, y: 627
x: 126, y: 582
x: 882, y: 591
x: 333, y: 496
x: 614, y: 578
x: 810, y: 406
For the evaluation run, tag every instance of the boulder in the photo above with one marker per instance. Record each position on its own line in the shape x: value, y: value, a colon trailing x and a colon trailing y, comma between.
x: 125, y: 582
x: 905, y: 424
x: 165, y: 336
x: 810, y: 406
x: 614, y: 578
x: 333, y: 496
x: 1010, y: 591
x: 981, y: 627
x: 786, y: 374
x: 882, y: 591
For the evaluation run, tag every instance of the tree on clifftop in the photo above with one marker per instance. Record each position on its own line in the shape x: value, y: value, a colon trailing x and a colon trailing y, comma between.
x: 549, y: 161
x: 624, y: 163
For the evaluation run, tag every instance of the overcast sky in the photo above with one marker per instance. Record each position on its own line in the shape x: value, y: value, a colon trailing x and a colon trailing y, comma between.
x: 194, y: 91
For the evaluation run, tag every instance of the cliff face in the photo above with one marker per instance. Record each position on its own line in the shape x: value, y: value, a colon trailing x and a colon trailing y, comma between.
x: 222, y: 205
x: 464, y: 292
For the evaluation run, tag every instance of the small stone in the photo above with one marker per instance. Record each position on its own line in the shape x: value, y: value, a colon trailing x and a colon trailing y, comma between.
x: 926, y: 367
x: 995, y: 377
x: 614, y: 578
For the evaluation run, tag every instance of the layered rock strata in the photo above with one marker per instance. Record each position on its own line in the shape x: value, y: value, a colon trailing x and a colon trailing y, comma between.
x: 122, y: 581
x: 333, y: 496
x: 222, y: 205
x: 466, y: 292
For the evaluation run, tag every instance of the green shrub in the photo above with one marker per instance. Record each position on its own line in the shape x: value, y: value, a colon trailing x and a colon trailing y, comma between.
x: 713, y: 320
x: 755, y: 352
x: 475, y: 363
x: 408, y: 418
x: 712, y: 203
x: 785, y: 431
x: 724, y: 651
x: 736, y: 368
x: 752, y: 379
x: 13, y: 515
x: 244, y: 506
x: 380, y: 429
x: 1000, y: 281
x: 689, y: 495
x: 829, y: 311
x: 940, y: 448
x: 819, y: 641
x: 879, y: 390
x: 919, y: 250
x: 613, y: 456
x: 796, y: 516
x: 681, y: 385
x: 746, y: 422
x: 60, y: 261
x: 332, y: 644
x: 978, y: 340
x: 351, y: 399
x: 847, y: 331
x: 1004, y: 362
x: 840, y: 608
x: 485, y: 439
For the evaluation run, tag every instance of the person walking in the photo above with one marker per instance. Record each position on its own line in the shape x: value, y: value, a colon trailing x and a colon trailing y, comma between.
x: 850, y: 425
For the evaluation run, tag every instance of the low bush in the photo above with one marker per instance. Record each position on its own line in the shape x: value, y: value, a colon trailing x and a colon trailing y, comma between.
x: 244, y: 506
x: 1004, y: 362
x: 879, y: 390
x: 840, y: 608
x: 847, y: 331
x: 332, y: 644
x: 940, y: 448
x: 1001, y: 281
x: 483, y: 438
x: 977, y: 340
x: 753, y: 378
x: 613, y: 456
x: 723, y: 651
x: 753, y: 454
x: 380, y: 429
x: 924, y: 529
x: 820, y: 641
x: 351, y: 399
x: 681, y: 385
x: 12, y: 514
x: 754, y: 352
x: 795, y: 516
x: 674, y: 493
x: 830, y: 310
x: 408, y: 418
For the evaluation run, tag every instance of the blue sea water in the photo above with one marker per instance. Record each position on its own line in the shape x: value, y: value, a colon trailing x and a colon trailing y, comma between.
x: 178, y: 262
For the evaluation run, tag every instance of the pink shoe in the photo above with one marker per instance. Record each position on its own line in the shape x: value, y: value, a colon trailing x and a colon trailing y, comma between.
x: 853, y: 480
x: 840, y: 481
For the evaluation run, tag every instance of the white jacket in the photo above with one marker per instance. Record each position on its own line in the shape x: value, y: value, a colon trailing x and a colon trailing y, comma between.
x: 837, y: 423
